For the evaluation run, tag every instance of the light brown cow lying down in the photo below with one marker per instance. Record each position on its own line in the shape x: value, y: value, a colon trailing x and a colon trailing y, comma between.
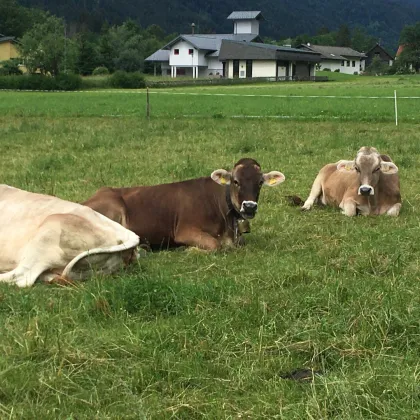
x: 368, y: 185
x: 45, y: 237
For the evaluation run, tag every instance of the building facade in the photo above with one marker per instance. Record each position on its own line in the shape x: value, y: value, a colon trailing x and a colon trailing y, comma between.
x: 342, y: 59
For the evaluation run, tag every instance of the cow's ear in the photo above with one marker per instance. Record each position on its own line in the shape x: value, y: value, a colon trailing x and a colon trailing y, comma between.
x: 221, y: 176
x: 345, y: 165
x: 389, y: 168
x: 273, y: 178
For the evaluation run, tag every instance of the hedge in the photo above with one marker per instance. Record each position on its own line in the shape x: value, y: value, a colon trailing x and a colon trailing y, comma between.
x: 41, y: 82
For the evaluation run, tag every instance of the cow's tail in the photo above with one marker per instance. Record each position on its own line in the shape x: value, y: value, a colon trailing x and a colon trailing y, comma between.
x: 294, y: 200
x: 130, y: 243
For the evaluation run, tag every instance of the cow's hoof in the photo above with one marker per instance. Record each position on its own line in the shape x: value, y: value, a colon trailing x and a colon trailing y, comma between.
x: 240, y: 242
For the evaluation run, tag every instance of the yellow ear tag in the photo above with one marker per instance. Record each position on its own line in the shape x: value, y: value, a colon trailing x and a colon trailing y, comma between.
x: 349, y: 166
x: 272, y: 181
x: 223, y: 181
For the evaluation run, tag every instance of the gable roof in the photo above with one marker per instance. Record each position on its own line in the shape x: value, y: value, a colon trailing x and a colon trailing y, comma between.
x: 383, y: 50
x: 7, y: 38
x: 333, y: 53
x: 159, y: 55
x: 242, y: 15
x: 239, y: 50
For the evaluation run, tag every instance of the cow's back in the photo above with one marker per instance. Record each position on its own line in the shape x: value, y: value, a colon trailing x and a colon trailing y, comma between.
x: 158, y: 212
x: 336, y: 184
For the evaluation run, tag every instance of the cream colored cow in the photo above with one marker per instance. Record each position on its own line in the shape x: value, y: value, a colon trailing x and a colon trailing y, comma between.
x: 367, y: 185
x: 43, y: 237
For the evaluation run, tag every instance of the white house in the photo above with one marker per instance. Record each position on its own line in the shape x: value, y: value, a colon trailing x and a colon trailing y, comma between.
x: 197, y: 55
x: 345, y: 59
x: 241, y: 54
x: 251, y: 59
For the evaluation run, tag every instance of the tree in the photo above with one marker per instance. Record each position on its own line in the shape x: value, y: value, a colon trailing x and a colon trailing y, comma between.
x: 87, y: 59
x: 377, y: 67
x: 323, y: 31
x: 343, y: 36
x: 361, y: 41
x: 15, y: 20
x: 45, y: 48
x: 410, y: 38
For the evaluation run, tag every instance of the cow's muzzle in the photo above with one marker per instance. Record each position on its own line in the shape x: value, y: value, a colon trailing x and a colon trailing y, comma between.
x: 366, y: 190
x: 248, y: 209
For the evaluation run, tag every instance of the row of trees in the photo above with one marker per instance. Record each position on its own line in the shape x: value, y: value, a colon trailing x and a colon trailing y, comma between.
x: 48, y: 45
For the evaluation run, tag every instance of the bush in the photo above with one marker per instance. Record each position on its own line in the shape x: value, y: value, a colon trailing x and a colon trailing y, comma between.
x: 100, y: 71
x: 356, y: 73
x: 122, y: 79
x: 41, y: 82
x: 326, y: 69
x: 337, y: 71
x: 10, y: 67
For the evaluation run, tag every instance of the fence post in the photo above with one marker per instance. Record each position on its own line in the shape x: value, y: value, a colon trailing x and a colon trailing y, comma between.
x: 147, y: 104
x: 396, y: 109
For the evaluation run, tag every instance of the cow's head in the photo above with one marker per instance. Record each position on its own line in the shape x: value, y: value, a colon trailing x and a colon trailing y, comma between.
x: 245, y: 181
x: 369, y: 165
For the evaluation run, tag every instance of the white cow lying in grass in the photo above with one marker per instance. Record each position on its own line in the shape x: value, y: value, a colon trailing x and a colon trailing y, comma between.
x: 44, y: 237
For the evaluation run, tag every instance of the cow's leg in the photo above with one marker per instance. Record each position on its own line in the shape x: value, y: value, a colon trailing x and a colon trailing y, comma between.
x: 349, y: 207
x: 25, y: 274
x: 394, y: 210
x: 316, y: 191
x: 196, y: 237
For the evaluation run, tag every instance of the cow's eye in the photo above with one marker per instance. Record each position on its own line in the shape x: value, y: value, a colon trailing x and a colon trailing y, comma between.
x: 377, y: 169
x: 236, y: 183
x: 357, y: 169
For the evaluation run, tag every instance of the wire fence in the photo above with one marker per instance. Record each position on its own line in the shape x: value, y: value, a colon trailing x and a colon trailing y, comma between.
x: 246, y: 103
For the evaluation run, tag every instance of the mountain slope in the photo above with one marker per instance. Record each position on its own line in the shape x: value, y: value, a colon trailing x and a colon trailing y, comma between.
x: 382, y: 18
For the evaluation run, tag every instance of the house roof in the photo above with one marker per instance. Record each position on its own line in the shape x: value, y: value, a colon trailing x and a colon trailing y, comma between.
x: 383, y: 50
x: 159, y: 55
x: 239, y: 50
x: 210, y: 42
x: 333, y: 53
x: 207, y: 42
x: 7, y: 38
x: 242, y: 15
x: 400, y: 49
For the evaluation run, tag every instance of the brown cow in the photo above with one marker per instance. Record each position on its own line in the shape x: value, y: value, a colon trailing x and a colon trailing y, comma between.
x: 201, y: 212
x: 368, y: 185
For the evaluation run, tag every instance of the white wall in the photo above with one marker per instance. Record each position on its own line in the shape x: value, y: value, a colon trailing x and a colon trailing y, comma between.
x: 183, y: 59
x: 246, y: 27
x: 282, y: 71
x: 213, y: 66
x: 264, y: 68
x: 330, y: 64
x: 336, y: 64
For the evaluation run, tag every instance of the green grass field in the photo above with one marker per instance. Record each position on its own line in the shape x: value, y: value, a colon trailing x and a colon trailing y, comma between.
x: 188, y: 334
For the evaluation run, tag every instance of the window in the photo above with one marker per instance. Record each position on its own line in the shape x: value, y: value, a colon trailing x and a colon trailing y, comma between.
x: 190, y: 51
x: 342, y: 63
x: 348, y: 63
x: 176, y: 51
x: 353, y: 63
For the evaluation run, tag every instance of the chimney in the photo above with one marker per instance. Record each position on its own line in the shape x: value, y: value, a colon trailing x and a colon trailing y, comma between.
x: 192, y: 28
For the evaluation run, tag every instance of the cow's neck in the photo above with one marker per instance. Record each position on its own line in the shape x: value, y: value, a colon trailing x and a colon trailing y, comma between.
x: 233, y: 215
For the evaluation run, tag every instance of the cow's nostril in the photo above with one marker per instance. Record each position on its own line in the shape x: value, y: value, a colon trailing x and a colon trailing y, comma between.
x: 250, y: 205
x: 365, y: 190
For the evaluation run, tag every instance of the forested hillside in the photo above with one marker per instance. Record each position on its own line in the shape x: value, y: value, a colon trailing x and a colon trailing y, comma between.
x: 382, y: 18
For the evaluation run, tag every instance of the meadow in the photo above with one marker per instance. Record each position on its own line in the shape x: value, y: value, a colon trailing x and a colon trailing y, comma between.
x: 188, y: 334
